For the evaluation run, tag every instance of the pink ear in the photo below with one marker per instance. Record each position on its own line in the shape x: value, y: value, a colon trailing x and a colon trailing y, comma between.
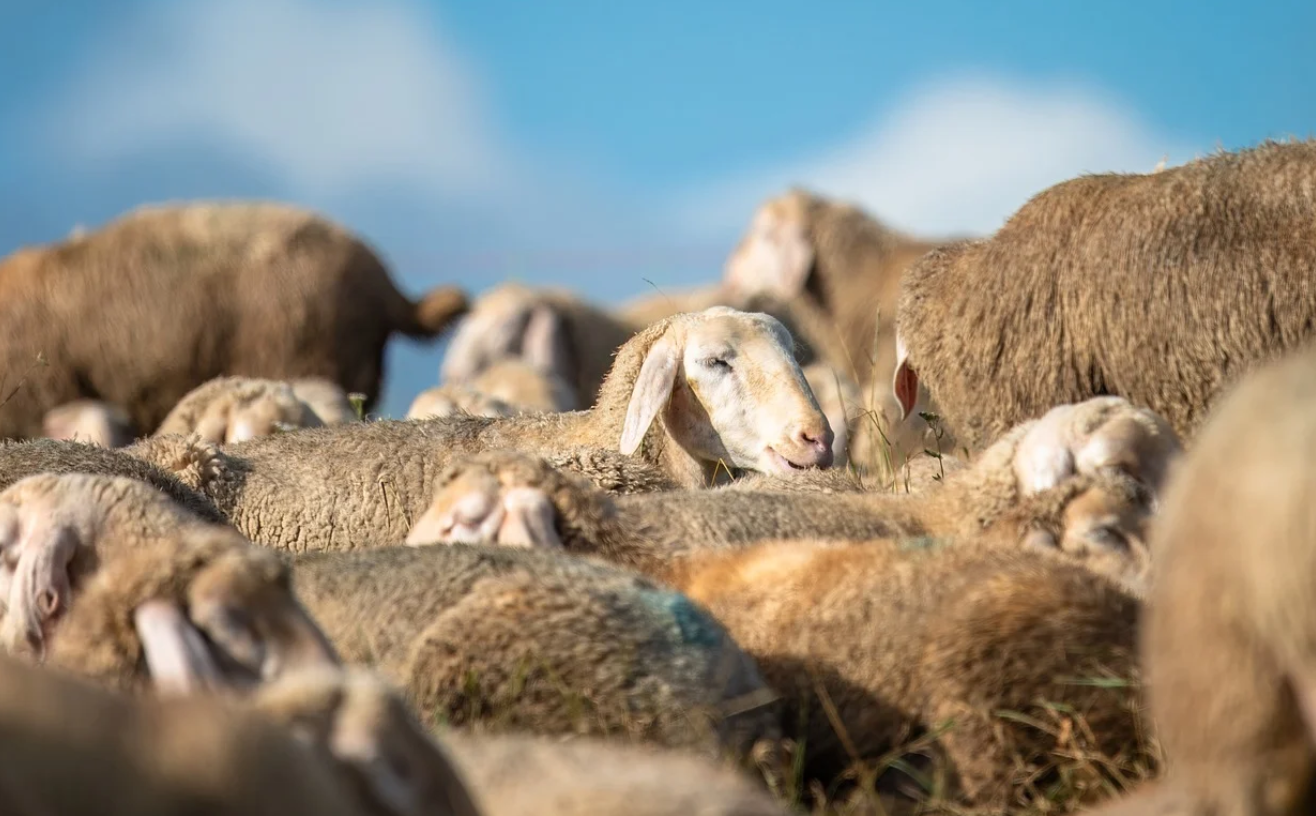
x: 905, y: 383
x: 544, y: 343
x: 176, y: 654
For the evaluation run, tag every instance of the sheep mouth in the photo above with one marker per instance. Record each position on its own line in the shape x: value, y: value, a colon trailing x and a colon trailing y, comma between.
x: 781, y: 464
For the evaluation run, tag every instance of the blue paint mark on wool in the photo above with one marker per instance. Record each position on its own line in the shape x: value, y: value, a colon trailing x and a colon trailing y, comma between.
x: 696, y: 626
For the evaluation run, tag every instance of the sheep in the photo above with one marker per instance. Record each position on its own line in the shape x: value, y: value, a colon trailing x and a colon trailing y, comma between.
x: 311, y: 742
x: 109, y: 578
x: 231, y: 409
x: 457, y: 400
x: 567, y: 339
x: 1106, y: 454
x: 361, y: 726
x: 154, y: 303
x: 176, y: 467
x: 531, y: 640
x: 71, y: 748
x: 366, y: 724
x: 802, y: 245
x: 1227, y: 645
x: 551, y: 329
x: 327, y: 399
x: 723, y: 384
x: 1159, y: 287
x: 91, y: 421
x: 522, y: 385
x: 512, y: 775
x: 877, y: 642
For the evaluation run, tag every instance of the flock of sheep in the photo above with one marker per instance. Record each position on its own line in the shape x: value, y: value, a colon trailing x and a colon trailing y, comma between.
x: 876, y: 523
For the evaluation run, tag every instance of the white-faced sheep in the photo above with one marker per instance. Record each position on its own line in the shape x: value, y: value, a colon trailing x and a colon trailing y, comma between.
x: 542, y: 642
x: 150, y: 305
x: 1018, y: 493
x: 233, y: 409
x: 688, y: 401
x: 111, y: 579
x: 1228, y: 645
x: 1159, y: 287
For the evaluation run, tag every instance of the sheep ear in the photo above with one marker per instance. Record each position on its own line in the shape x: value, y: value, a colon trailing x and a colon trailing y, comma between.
x: 652, y: 390
x: 544, y: 343
x: 176, y: 655
x: 905, y: 382
x: 40, y: 587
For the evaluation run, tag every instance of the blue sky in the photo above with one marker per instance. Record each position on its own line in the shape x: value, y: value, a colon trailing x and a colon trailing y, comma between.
x: 602, y: 145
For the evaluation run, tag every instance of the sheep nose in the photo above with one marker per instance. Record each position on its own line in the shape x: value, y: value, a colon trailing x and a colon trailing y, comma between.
x: 816, y: 444
x: 49, y: 603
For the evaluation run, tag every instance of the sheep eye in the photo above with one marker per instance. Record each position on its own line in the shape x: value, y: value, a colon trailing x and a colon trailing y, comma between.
x: 235, y: 628
x: 716, y: 363
x: 1108, y: 537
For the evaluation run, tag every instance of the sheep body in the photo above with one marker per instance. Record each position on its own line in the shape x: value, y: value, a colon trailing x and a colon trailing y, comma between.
x: 163, y: 298
x: 1162, y: 288
x: 70, y: 748
x: 86, y: 554
x: 905, y: 636
x: 538, y: 641
x: 381, y: 475
x: 651, y: 532
x: 512, y: 775
x: 1227, y: 645
x: 173, y: 466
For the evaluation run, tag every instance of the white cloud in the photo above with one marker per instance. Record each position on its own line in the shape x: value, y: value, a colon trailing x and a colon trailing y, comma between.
x: 956, y: 156
x: 324, y: 94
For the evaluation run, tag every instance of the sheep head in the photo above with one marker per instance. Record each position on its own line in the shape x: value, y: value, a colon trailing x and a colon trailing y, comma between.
x: 776, y: 255
x: 454, y: 400
x: 90, y: 421
x: 100, y: 571
x: 509, y: 321
x: 235, y: 409
x: 730, y: 392
x: 1102, y: 434
x: 364, y: 727
x: 507, y: 498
